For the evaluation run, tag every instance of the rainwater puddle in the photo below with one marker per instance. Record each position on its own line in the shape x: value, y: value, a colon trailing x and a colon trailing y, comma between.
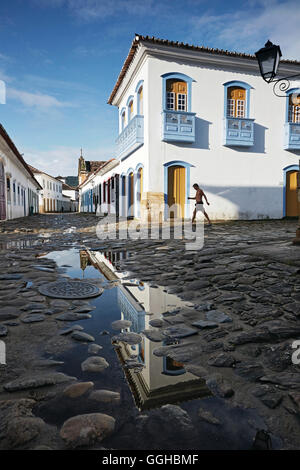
x: 142, y: 420
x: 19, y: 244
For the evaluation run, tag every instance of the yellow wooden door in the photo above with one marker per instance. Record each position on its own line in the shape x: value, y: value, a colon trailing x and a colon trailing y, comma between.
x: 291, y: 194
x: 176, y: 190
x: 236, y: 102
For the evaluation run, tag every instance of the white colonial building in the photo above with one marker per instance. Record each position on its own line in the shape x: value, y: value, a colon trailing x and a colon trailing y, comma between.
x: 18, y: 186
x: 190, y: 115
x: 50, y: 198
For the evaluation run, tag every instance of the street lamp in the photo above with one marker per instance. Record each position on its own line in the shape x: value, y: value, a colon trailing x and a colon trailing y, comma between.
x: 268, y: 58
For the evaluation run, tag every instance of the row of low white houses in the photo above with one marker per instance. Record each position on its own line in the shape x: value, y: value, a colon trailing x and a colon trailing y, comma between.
x: 55, y: 195
x: 194, y: 115
x: 18, y: 186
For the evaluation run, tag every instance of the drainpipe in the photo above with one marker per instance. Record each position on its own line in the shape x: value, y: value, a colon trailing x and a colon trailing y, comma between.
x: 296, y: 240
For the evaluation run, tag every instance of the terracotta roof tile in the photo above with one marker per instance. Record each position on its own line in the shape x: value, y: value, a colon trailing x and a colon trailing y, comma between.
x: 165, y: 42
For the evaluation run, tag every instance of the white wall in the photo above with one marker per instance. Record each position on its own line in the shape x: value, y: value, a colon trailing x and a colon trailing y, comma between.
x: 17, y: 202
x: 52, y: 191
x: 239, y: 182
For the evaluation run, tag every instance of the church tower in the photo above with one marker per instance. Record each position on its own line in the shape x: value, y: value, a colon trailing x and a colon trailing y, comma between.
x: 82, y: 170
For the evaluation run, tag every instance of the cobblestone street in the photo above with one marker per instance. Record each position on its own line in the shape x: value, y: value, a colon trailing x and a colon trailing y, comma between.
x: 236, y: 330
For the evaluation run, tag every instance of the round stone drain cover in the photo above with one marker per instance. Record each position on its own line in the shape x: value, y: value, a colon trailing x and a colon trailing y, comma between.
x: 70, y: 290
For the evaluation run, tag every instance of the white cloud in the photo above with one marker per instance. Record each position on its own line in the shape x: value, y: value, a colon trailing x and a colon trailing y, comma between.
x: 36, y: 100
x: 248, y: 28
x: 64, y: 160
x: 91, y: 10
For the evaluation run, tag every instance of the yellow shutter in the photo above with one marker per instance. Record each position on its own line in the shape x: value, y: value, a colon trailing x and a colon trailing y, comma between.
x: 236, y: 94
x: 141, y: 109
x: 176, y: 86
x: 141, y: 181
x: 291, y: 194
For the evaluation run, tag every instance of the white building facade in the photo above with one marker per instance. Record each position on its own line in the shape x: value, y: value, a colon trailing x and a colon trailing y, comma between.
x: 18, y: 187
x: 194, y: 115
x: 51, y: 197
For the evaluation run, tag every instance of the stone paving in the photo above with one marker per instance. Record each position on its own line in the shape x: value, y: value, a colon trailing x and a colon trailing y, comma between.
x: 244, y: 294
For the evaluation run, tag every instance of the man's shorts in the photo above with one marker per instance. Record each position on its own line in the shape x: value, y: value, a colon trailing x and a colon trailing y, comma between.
x: 199, y: 207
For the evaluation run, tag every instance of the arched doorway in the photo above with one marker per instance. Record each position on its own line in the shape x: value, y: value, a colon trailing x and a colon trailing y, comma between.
x: 2, y: 193
x: 176, y: 190
x: 291, y: 194
x: 130, y: 195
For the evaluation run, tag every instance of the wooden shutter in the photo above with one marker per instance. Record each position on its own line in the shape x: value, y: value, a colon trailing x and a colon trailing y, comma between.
x: 177, y: 89
x: 236, y: 102
x: 140, y: 98
x: 291, y: 194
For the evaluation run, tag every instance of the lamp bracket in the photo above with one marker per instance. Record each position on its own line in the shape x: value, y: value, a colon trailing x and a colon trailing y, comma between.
x: 281, y: 85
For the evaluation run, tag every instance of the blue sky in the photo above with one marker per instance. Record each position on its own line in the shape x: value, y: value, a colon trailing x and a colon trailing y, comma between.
x: 60, y: 59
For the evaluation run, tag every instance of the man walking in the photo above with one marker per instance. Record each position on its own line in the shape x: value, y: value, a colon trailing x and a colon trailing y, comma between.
x: 199, y: 203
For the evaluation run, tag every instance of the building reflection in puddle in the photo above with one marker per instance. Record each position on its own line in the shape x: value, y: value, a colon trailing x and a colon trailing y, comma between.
x: 158, y: 380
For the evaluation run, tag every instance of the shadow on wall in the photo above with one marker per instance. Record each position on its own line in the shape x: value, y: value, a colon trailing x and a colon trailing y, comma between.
x: 241, y: 202
x: 259, y: 141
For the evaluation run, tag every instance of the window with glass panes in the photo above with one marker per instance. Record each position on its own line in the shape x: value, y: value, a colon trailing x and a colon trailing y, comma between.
x: 294, y: 108
x: 236, y: 102
x: 176, y: 95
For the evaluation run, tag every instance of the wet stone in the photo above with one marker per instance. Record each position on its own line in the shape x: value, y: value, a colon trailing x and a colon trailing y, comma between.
x: 105, y: 396
x: 3, y: 331
x: 197, y: 370
x: 8, y: 313
x: 59, y: 303
x: 205, y: 324
x: 268, y: 396
x: 78, y: 389
x: 129, y: 338
x: 120, y: 324
x: 33, y: 318
x: 21, y: 430
x: 219, y: 386
x: 154, y: 335
x: 208, y: 417
x: 71, y: 316
x: 10, y: 277
x: 94, y: 348
x: 250, y: 371
x: 32, y: 307
x: 222, y: 360
x: 217, y: 316
x: 285, y: 379
x: 81, y: 336
x: 86, y: 430
x: 156, y: 323
x: 85, y: 309
x: 42, y: 380
x: 94, y: 364
x: 70, y: 330
x: 179, y: 331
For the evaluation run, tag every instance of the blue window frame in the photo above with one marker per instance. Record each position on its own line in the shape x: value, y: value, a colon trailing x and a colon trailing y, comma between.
x: 285, y: 171
x: 139, y: 104
x: 130, y: 111
x: 292, y: 115
x: 178, y: 76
